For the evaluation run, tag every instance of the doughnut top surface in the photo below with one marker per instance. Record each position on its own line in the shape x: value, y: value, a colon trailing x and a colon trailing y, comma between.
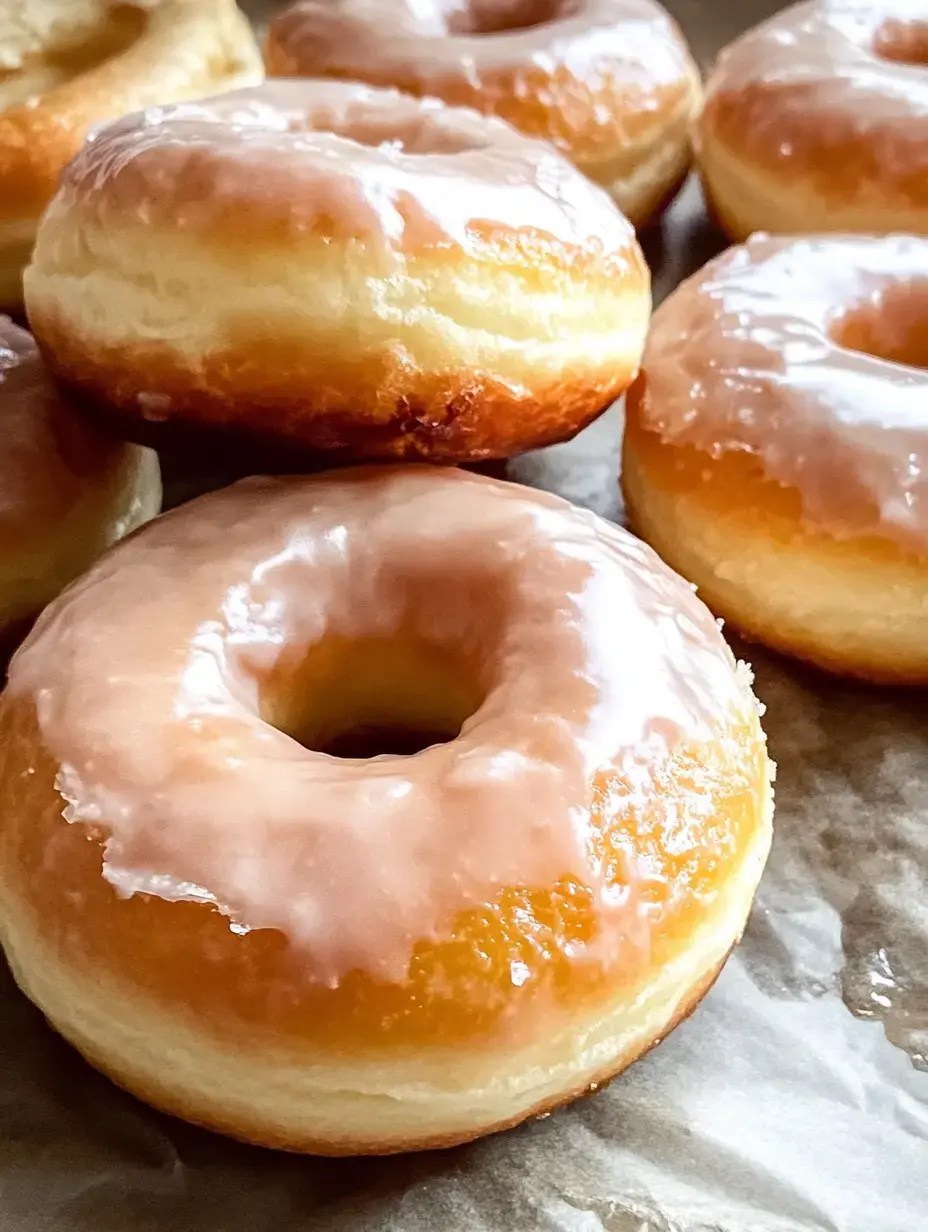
x: 185, y: 685
x: 857, y: 53
x: 342, y: 160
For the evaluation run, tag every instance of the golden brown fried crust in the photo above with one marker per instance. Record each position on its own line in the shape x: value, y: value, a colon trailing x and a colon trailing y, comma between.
x: 733, y: 496
x: 260, y: 393
x: 809, y: 651
x: 162, y: 1099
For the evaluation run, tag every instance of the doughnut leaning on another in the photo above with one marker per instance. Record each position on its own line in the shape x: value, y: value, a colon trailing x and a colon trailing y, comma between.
x: 776, y: 447
x: 817, y: 121
x: 358, y: 952
x: 66, y: 65
x: 323, y: 267
x: 67, y: 489
x: 611, y: 83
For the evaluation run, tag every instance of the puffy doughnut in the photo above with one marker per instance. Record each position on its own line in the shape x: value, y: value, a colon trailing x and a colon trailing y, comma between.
x: 247, y: 918
x: 817, y: 121
x: 66, y: 65
x: 611, y: 83
x: 776, y: 448
x: 67, y: 489
x: 340, y: 269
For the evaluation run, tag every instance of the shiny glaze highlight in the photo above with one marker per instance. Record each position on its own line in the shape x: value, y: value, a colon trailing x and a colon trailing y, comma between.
x: 834, y: 91
x: 811, y: 355
x: 399, y: 175
x: 611, y: 84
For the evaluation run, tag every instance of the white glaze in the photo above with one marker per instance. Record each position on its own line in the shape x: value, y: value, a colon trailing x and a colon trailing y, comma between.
x: 146, y: 678
x: 403, y: 173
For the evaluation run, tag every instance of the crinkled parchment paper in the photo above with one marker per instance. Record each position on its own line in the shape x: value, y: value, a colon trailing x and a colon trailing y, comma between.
x: 795, y: 1099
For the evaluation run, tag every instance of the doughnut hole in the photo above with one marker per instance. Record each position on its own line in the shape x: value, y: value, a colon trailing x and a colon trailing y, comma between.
x: 363, y: 698
x: 894, y: 327
x: 903, y: 42
x: 408, y: 677
x: 485, y: 17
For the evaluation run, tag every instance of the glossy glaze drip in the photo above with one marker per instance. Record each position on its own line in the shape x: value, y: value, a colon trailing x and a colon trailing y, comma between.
x: 49, y: 456
x: 747, y: 355
x: 835, y: 55
x: 404, y: 173
x: 634, y: 42
x: 147, y: 678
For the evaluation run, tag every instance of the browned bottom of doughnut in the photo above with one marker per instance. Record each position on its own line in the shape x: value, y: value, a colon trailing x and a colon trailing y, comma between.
x: 230, y: 412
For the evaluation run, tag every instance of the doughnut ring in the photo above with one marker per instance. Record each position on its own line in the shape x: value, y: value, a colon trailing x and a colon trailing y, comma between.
x: 776, y: 448
x: 611, y: 83
x: 337, y: 269
x: 817, y: 121
x: 249, y: 919
x: 67, y: 489
x: 66, y: 65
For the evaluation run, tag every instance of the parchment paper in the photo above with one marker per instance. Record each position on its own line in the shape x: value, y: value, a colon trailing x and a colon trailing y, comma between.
x: 795, y: 1099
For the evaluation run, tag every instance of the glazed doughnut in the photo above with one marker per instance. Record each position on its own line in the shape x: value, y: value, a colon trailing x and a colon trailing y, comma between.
x: 611, y: 83
x: 67, y: 489
x: 346, y: 270
x: 249, y: 919
x: 817, y: 121
x: 776, y: 448
x: 66, y: 65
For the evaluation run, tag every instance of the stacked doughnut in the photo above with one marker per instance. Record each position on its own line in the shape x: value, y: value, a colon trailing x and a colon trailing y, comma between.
x: 319, y: 268
x: 776, y: 447
x: 381, y: 808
